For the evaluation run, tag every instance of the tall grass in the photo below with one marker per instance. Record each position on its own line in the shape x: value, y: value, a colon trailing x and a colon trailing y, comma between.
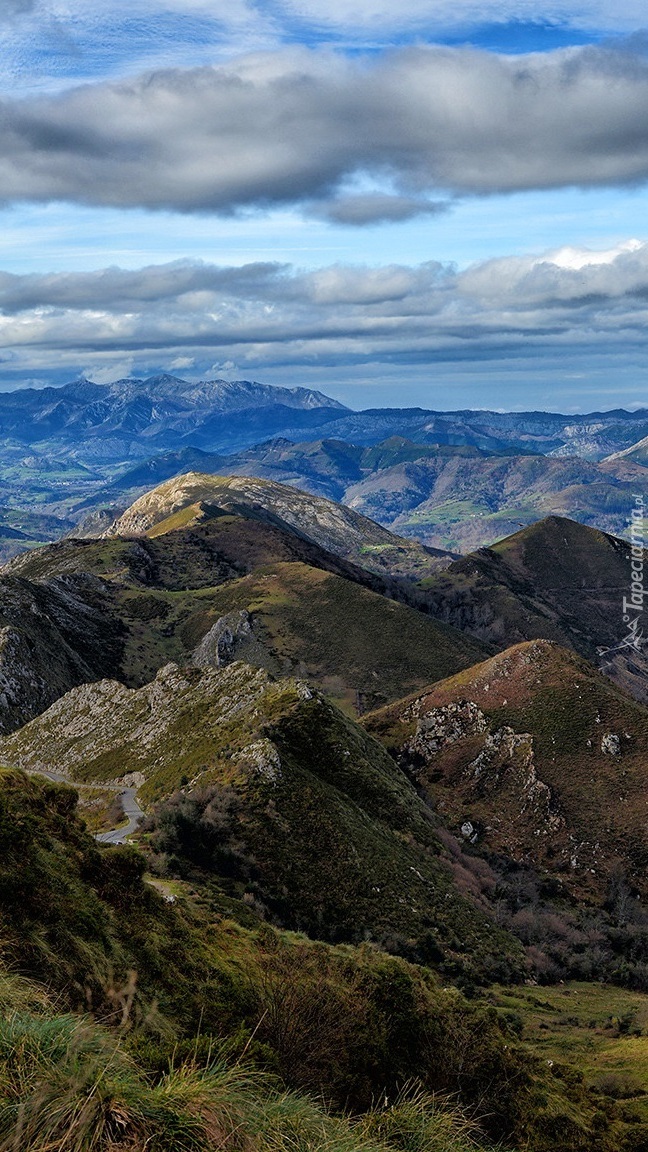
x: 67, y: 1086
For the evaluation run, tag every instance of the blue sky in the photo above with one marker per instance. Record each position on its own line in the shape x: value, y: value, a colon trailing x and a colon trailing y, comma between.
x: 442, y: 204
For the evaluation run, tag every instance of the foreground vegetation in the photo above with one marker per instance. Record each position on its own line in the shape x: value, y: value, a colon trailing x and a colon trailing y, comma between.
x: 67, y: 1084
x: 131, y: 1021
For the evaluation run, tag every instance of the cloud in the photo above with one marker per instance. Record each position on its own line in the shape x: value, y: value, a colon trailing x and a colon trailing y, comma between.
x: 569, y: 276
x: 551, y: 305
x: 378, y: 208
x: 295, y: 126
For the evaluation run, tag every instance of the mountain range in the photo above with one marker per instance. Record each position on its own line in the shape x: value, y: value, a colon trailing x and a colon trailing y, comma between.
x: 394, y: 807
x: 74, y: 457
x: 133, y: 416
x: 451, y: 498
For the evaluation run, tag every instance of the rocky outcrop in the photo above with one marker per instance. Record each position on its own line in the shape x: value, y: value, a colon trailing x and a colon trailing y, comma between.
x: 219, y: 646
x: 172, y: 731
x: 439, y: 727
x: 506, y: 761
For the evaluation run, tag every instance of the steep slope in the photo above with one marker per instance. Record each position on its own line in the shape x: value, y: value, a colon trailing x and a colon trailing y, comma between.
x: 246, y: 588
x: 53, y: 635
x: 636, y: 453
x: 535, y: 755
x: 196, y: 1009
x: 556, y: 580
x: 283, y: 794
x: 330, y: 525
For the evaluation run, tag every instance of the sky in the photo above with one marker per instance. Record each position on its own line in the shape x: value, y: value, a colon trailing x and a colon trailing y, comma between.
x: 440, y: 203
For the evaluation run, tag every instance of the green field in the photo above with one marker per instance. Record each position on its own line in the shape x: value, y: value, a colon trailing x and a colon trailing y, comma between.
x: 600, y: 1029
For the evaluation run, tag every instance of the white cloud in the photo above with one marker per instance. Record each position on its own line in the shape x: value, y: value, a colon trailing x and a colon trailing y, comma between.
x: 575, y: 276
x: 584, y: 258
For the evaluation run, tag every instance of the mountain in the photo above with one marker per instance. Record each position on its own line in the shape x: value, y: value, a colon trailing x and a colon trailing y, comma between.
x: 463, y: 502
x: 72, y: 451
x: 131, y: 407
x: 53, y: 634
x: 454, y: 498
x: 636, y: 453
x: 332, y: 526
x: 591, y: 436
x: 129, y: 414
x: 82, y: 610
x: 556, y: 580
x: 372, y: 777
x: 146, y: 1020
x: 307, y: 811
x: 537, y: 763
x: 535, y: 755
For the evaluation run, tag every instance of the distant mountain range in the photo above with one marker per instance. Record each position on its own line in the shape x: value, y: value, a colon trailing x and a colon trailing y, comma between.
x: 72, y: 458
x: 134, y: 418
x: 452, y: 498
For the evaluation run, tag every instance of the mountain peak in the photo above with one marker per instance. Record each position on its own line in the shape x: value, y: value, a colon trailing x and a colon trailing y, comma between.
x: 332, y: 526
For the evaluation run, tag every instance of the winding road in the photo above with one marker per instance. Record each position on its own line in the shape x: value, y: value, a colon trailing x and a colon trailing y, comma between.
x: 128, y: 797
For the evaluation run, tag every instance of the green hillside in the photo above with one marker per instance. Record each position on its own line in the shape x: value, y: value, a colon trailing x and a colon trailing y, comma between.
x: 556, y: 580
x: 283, y: 794
x: 209, y: 1030
x: 135, y: 605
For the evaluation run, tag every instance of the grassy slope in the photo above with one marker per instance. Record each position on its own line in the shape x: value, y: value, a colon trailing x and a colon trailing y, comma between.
x: 567, y: 707
x: 349, y: 1024
x: 324, y: 829
x: 601, y: 1029
x: 556, y: 580
x: 311, y: 612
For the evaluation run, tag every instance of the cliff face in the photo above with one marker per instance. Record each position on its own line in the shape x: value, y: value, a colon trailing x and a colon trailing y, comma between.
x: 53, y: 635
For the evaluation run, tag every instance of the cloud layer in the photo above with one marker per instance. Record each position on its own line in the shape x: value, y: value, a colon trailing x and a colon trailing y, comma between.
x: 298, y: 126
x: 570, y: 303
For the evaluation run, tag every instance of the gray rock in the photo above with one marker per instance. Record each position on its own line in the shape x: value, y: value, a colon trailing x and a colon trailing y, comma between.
x: 219, y: 646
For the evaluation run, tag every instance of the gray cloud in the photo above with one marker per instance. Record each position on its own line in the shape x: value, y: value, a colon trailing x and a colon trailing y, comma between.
x: 570, y: 304
x: 118, y: 290
x: 378, y: 208
x: 294, y: 126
